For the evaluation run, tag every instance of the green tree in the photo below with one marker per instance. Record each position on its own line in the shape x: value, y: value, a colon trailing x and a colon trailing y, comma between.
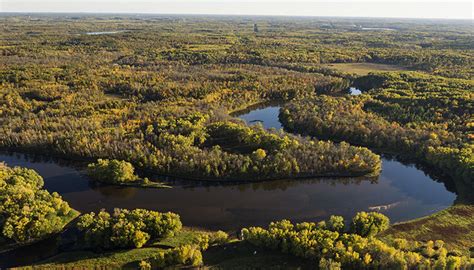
x: 336, y: 223
x: 112, y: 171
x: 127, y: 228
x: 27, y: 211
x: 369, y: 224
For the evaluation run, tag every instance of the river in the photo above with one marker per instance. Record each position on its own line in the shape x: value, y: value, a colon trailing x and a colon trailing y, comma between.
x: 402, y: 192
x: 409, y: 191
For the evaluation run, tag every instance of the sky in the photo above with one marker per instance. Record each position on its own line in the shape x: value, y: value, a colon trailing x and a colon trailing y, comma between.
x: 456, y: 9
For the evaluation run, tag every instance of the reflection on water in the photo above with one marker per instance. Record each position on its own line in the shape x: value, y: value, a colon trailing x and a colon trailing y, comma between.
x: 235, y: 205
x: 378, y: 29
x: 105, y: 32
x: 354, y: 91
x: 265, y: 113
x: 401, y: 192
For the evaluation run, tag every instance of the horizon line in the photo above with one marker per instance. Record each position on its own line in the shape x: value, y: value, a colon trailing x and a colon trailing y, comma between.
x: 230, y: 14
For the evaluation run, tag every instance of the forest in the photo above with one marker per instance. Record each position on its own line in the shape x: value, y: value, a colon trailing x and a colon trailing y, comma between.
x: 134, y: 96
x: 427, y: 118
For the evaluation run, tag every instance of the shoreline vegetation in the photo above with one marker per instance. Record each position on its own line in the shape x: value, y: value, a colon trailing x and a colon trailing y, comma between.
x: 141, y: 183
x: 119, y: 172
x: 28, y: 212
x: 66, y: 221
x: 419, y: 231
x: 330, y: 242
x: 253, y: 153
x: 395, y: 232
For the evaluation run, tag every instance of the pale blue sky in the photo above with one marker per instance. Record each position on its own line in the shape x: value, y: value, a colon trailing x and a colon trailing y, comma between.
x: 353, y: 8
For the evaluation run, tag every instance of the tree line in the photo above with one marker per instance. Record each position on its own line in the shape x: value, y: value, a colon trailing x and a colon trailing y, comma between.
x: 414, y: 115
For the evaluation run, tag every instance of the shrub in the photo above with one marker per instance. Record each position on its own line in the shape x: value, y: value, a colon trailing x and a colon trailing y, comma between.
x: 202, y: 241
x: 453, y: 263
x: 400, y: 243
x: 329, y: 265
x: 259, y: 154
x: 218, y: 238
x: 186, y: 255
x: 144, y: 265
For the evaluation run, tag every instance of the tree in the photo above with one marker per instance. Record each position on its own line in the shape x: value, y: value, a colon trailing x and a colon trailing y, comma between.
x: 369, y: 224
x: 112, y: 171
x: 336, y: 223
x: 259, y: 154
x: 27, y: 211
x: 127, y: 228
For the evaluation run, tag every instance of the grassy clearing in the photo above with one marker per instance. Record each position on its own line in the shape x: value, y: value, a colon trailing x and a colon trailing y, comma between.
x: 185, y: 236
x: 73, y: 214
x: 234, y: 255
x: 455, y: 226
x: 123, y: 259
x: 363, y: 68
x: 117, y: 259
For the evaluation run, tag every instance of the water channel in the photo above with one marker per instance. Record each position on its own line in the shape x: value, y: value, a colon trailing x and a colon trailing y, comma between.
x: 401, y: 192
x: 406, y: 191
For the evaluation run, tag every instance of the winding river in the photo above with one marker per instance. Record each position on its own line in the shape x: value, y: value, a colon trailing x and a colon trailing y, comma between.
x: 401, y: 192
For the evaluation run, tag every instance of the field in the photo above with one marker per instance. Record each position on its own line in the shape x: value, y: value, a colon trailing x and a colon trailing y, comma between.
x: 455, y: 226
x: 231, y: 256
x: 234, y: 255
x: 363, y: 68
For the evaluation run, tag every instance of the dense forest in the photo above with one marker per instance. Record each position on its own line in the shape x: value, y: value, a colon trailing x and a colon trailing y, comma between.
x: 412, y: 114
x: 161, y: 100
x: 166, y: 119
x: 141, y: 95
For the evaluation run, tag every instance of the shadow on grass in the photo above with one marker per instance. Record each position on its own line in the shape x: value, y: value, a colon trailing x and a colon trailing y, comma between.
x: 242, y: 255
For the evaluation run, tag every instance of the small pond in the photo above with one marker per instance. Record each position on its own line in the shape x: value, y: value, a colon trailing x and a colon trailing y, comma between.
x: 266, y: 114
x: 378, y: 29
x: 105, y: 32
x: 354, y: 91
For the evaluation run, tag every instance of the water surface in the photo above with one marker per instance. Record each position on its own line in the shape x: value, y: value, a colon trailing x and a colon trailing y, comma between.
x: 105, y: 32
x: 378, y: 29
x: 354, y: 91
x: 409, y: 192
x: 401, y: 192
x: 265, y: 113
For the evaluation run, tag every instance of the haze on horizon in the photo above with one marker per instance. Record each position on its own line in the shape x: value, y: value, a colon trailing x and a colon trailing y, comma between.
x: 346, y: 8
